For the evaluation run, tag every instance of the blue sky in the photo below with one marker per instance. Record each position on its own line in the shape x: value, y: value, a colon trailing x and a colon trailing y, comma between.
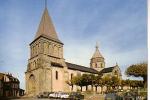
x: 120, y: 27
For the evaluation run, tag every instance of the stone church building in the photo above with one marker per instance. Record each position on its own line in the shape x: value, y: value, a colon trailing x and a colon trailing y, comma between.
x: 47, y: 69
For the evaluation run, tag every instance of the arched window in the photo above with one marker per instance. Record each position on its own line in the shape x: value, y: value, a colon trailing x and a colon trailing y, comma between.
x: 95, y: 65
x: 101, y: 65
x: 56, y: 75
x: 71, y: 76
x: 32, y: 85
x: 116, y: 72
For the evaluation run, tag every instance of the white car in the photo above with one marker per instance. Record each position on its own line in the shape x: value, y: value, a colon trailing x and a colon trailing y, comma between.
x: 61, y: 95
x: 64, y: 96
x: 52, y: 95
x: 55, y: 95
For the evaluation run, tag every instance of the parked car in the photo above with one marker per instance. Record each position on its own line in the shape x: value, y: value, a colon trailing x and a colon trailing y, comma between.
x: 64, y: 96
x: 43, y: 95
x: 57, y: 95
x: 52, y: 95
x: 76, y: 96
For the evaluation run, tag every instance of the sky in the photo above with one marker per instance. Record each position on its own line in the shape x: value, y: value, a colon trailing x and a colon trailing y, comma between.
x: 119, y: 27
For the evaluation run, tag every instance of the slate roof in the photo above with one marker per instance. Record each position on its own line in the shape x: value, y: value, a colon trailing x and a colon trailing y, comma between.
x: 81, y: 68
x: 107, y: 70
x: 11, y: 78
x: 46, y: 27
x: 56, y: 64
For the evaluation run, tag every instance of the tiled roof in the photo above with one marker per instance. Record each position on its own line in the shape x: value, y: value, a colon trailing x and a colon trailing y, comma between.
x: 81, y: 68
x: 107, y: 70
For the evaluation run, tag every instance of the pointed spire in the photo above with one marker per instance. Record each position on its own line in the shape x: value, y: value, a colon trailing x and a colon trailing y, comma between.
x: 45, y: 3
x: 46, y: 27
x: 97, y: 45
x: 97, y: 52
x: 116, y: 64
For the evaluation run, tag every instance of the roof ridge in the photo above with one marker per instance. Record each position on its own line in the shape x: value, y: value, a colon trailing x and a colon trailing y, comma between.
x: 82, y: 66
x: 78, y: 65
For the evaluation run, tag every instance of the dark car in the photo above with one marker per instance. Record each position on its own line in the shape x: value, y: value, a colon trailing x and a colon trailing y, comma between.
x: 76, y: 96
x: 43, y: 95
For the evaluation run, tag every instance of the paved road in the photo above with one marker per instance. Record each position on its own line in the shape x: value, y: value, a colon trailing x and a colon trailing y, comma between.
x: 36, y: 99
x: 88, y: 97
x: 95, y: 97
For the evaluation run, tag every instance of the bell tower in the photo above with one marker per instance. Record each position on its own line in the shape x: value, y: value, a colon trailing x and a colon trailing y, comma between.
x: 97, y: 60
x: 46, y: 51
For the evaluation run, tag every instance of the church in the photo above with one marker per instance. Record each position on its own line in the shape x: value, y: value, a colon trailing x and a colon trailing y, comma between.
x: 47, y: 69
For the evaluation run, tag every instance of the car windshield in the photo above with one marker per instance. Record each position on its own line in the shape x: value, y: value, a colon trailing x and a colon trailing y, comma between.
x: 44, y: 92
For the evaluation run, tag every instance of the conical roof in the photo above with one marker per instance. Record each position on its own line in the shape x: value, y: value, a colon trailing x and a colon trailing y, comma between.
x: 97, y: 53
x: 46, y: 27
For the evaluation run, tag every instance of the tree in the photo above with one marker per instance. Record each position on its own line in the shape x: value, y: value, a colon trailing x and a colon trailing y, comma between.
x: 123, y: 83
x: 98, y: 82
x: 92, y: 80
x: 78, y: 81
x: 107, y: 82
x: 136, y: 83
x: 131, y: 83
x: 115, y: 81
x: 85, y: 80
x: 138, y: 70
x: 71, y: 83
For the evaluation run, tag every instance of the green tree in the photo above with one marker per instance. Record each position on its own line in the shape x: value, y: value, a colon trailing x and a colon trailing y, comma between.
x: 107, y: 82
x: 86, y: 80
x: 115, y: 81
x: 136, y: 83
x: 98, y: 82
x: 71, y: 83
x: 132, y: 83
x: 123, y: 83
x: 77, y: 80
x: 138, y: 70
x: 92, y: 80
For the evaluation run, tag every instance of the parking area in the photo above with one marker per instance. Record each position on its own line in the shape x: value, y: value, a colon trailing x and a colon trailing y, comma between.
x: 61, y: 95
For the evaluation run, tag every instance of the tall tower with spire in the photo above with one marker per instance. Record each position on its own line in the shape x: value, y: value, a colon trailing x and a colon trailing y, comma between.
x: 97, y: 61
x: 46, y: 59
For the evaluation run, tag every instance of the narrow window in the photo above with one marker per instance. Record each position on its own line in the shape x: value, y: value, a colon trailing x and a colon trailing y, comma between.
x: 56, y: 75
x: 101, y: 65
x: 71, y: 76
